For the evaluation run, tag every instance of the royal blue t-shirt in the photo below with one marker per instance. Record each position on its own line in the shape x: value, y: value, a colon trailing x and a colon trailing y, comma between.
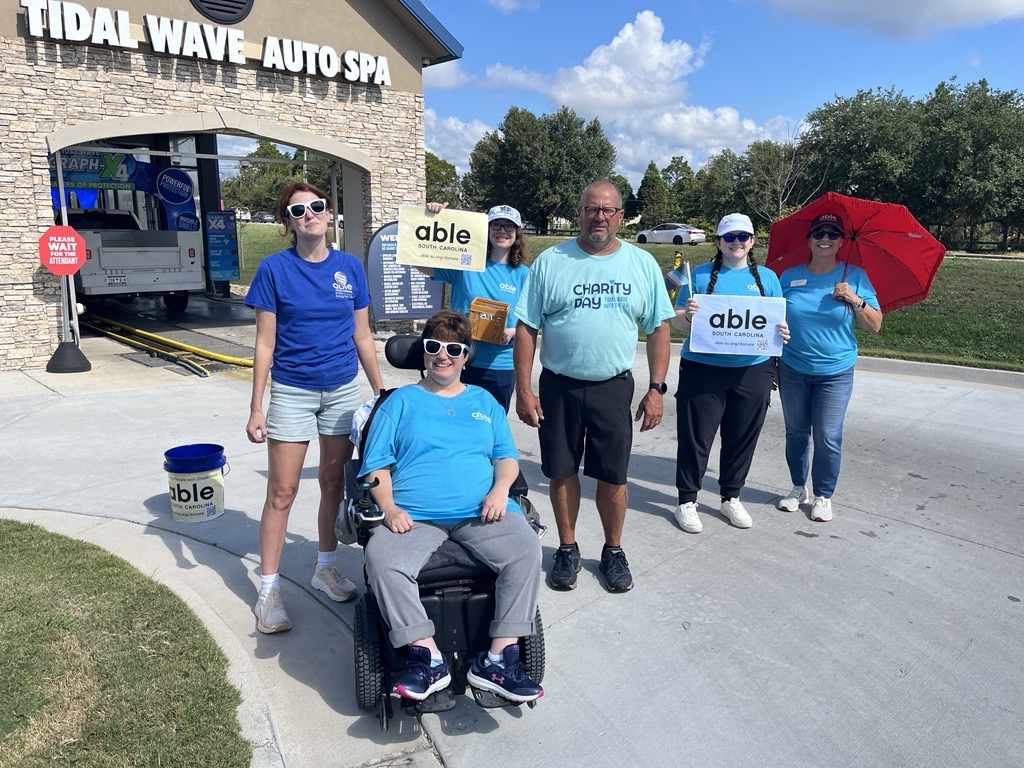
x: 732, y: 282
x: 440, y: 464
x: 822, y: 341
x: 499, y: 281
x: 315, y: 304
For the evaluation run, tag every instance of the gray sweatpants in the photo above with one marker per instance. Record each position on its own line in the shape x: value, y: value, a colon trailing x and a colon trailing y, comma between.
x: 509, y: 546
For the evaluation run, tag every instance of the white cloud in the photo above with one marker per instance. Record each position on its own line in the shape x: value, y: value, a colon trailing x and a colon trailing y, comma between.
x: 446, y: 76
x: 905, y: 18
x: 501, y: 76
x: 510, y: 6
x: 452, y: 139
x: 636, y: 86
x: 638, y: 69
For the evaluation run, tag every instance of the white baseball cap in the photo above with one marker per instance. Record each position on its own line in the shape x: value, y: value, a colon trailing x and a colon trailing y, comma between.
x: 734, y: 222
x: 505, y: 212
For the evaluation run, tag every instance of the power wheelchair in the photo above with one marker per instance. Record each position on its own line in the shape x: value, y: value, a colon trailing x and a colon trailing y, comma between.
x: 456, y: 589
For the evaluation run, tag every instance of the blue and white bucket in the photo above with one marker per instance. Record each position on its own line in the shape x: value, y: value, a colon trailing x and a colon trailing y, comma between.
x: 195, y: 475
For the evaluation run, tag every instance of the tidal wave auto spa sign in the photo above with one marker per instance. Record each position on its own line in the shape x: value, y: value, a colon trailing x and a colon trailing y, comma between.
x: 74, y: 23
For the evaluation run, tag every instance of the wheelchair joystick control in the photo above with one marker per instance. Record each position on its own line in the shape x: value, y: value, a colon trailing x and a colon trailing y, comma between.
x: 367, y: 512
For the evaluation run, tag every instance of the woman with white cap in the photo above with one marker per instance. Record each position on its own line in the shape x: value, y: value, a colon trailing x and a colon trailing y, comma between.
x: 724, y: 391
x: 502, y: 280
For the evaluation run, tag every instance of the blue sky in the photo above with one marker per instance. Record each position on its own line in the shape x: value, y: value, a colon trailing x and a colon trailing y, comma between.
x: 689, y: 77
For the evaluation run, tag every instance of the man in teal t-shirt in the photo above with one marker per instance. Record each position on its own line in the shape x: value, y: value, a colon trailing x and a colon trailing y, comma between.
x: 589, y: 295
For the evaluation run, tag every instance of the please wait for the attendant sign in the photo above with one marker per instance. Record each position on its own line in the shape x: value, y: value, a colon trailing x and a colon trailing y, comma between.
x: 62, y: 250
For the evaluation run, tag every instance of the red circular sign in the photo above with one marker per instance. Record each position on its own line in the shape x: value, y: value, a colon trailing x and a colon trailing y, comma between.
x: 62, y: 250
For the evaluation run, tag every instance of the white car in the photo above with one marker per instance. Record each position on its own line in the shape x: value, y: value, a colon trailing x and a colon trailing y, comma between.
x: 242, y: 214
x: 676, y: 234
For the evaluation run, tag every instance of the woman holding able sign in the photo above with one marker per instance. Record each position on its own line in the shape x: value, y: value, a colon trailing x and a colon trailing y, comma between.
x: 501, y: 281
x: 727, y: 391
x: 825, y: 299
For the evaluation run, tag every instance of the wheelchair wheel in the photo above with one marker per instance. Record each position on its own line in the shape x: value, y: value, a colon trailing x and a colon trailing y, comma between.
x: 533, y: 650
x: 369, y: 674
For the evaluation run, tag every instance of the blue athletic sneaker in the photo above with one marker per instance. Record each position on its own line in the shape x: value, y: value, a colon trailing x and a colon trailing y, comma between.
x: 420, y: 679
x: 508, y: 679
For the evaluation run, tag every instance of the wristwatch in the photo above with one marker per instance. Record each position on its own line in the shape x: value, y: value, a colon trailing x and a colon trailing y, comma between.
x: 863, y: 303
x: 661, y: 386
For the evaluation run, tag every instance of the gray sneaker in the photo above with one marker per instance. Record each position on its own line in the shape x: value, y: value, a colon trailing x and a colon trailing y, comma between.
x: 821, y: 512
x: 791, y: 501
x: 270, y: 614
x: 332, y: 581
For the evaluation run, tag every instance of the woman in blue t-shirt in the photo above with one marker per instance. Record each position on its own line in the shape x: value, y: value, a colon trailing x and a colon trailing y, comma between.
x: 502, y: 280
x: 724, y: 391
x: 825, y: 299
x: 443, y: 456
x: 312, y: 332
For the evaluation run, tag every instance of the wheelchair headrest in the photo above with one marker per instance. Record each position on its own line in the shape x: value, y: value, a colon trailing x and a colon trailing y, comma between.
x: 405, y: 351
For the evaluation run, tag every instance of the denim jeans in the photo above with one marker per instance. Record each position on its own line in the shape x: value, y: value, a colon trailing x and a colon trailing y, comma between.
x: 814, y: 406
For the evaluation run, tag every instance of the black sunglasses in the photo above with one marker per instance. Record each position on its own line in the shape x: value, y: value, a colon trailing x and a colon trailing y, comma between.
x: 741, y: 236
x: 821, y: 234
x: 298, y: 210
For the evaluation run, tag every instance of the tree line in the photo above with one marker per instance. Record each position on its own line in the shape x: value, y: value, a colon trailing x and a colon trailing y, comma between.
x: 955, y: 158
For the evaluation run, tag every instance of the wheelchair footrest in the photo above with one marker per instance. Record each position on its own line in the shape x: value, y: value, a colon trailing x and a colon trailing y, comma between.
x: 490, y: 700
x: 441, y: 701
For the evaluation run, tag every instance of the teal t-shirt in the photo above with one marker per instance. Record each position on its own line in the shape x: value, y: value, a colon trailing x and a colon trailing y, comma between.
x: 822, y: 341
x: 441, y: 466
x: 499, y: 281
x: 732, y: 282
x: 588, y: 308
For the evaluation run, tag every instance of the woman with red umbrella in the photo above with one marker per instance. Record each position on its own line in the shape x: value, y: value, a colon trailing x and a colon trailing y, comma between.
x: 825, y: 300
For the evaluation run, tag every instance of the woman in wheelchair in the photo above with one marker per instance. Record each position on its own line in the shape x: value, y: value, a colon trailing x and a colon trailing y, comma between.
x: 443, y: 454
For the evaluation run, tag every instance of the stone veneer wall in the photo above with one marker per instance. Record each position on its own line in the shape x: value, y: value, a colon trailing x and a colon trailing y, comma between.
x: 45, y: 87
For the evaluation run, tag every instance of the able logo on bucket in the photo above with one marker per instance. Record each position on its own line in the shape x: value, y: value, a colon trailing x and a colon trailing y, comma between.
x: 195, y: 476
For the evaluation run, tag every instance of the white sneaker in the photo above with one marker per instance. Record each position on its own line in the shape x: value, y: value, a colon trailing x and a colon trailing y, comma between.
x: 736, y: 514
x: 822, y: 510
x: 791, y: 501
x: 686, y: 517
x: 332, y: 581
x: 270, y: 614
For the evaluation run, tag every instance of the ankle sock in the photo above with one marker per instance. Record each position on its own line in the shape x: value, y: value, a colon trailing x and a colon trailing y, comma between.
x: 323, y: 559
x: 269, y: 581
x: 499, y: 659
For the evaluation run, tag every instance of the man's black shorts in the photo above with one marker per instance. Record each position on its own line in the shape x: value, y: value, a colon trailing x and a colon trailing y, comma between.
x: 588, y: 420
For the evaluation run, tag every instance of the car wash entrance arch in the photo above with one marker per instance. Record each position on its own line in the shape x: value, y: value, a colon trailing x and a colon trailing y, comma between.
x: 342, y: 80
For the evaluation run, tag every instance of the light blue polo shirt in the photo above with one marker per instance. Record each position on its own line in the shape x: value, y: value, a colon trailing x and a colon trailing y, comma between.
x: 822, y: 340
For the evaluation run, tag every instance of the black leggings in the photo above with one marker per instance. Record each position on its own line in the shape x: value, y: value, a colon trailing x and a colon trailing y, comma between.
x: 713, y: 396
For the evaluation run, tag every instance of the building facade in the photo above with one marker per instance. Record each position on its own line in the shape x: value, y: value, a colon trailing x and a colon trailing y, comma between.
x: 342, y: 79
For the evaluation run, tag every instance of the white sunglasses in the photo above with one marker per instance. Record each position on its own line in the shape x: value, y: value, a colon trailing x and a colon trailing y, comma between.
x: 298, y: 210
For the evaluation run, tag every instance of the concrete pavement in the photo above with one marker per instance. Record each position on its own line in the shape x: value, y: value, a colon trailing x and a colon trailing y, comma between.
x: 889, y: 637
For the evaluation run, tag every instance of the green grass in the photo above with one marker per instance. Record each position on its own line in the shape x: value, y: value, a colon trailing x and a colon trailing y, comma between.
x: 973, y: 317
x: 103, y: 666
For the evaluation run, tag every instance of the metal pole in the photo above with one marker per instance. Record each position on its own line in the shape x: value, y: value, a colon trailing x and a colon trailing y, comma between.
x: 334, y: 197
x: 68, y: 300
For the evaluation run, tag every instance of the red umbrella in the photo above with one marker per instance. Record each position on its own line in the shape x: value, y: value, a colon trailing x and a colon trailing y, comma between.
x: 899, y: 255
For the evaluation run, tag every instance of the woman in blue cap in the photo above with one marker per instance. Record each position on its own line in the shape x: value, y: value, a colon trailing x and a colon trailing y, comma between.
x: 502, y: 280
x: 825, y: 299
x: 724, y: 391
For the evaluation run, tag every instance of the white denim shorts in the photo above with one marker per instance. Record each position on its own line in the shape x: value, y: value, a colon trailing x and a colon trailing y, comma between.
x: 297, y: 415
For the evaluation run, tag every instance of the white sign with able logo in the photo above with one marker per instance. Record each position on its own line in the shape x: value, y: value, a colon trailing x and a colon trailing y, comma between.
x: 737, y: 325
x: 450, y: 239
